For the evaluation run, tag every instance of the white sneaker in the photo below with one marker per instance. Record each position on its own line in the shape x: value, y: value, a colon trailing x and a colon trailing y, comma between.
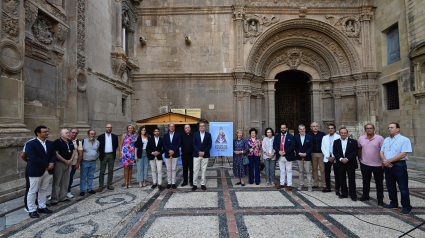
x: 49, y: 198
x: 69, y: 195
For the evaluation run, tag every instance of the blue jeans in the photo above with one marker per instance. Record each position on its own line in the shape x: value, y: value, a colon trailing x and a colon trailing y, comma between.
x: 270, y: 170
x: 398, y: 174
x: 254, y: 163
x: 142, y: 167
x: 87, y: 174
x: 71, y: 177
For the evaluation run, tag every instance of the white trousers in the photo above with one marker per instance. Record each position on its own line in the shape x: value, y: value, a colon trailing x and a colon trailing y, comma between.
x: 199, y: 163
x: 171, y: 164
x: 38, y: 184
x: 305, y: 166
x: 156, y: 166
x: 285, y: 166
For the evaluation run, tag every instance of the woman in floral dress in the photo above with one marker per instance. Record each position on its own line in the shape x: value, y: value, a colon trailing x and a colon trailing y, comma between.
x: 241, y: 148
x: 254, y: 156
x: 127, y: 153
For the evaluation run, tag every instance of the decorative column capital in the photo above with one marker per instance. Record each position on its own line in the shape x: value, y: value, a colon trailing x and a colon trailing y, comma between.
x: 238, y: 12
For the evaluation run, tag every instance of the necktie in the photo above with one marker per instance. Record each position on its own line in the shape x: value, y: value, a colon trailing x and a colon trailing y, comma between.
x: 283, y: 141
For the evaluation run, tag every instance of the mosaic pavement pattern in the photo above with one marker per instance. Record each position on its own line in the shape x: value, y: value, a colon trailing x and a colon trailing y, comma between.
x: 226, y: 210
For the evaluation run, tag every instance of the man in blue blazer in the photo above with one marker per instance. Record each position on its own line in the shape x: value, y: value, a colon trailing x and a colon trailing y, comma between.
x: 304, y: 147
x: 284, y: 143
x: 172, y: 142
x: 41, y: 159
x: 345, y: 152
x: 202, y: 144
x: 108, y: 144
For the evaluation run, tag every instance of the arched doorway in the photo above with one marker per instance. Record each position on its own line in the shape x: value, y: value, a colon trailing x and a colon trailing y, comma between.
x: 293, y: 100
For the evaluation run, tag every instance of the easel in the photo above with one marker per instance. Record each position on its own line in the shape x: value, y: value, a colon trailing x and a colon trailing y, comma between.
x: 222, y: 161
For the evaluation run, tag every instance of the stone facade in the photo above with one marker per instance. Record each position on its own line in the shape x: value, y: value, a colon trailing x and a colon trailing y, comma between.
x: 85, y: 63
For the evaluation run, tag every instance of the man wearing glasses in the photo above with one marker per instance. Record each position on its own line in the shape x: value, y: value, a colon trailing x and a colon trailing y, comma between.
x: 370, y: 162
x: 77, y: 158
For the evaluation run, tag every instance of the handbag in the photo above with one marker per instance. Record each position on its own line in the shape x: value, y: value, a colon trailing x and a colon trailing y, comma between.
x: 261, y: 167
x: 245, y: 160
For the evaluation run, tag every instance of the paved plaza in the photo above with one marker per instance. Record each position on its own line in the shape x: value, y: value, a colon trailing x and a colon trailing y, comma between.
x: 224, y: 210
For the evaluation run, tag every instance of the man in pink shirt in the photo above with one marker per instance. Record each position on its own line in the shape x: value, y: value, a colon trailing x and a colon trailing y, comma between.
x: 371, y: 162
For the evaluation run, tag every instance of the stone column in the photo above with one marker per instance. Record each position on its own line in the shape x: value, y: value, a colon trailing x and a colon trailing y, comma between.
x: 337, y: 102
x: 365, y: 19
x: 260, y: 112
x: 271, y: 120
x: 238, y: 16
x: 130, y: 45
x: 316, y: 115
x: 247, y: 111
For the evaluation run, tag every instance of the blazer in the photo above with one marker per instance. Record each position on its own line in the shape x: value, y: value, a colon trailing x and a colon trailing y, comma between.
x: 38, y: 159
x: 306, y: 148
x: 101, y: 139
x: 172, y: 145
x: 351, y: 153
x: 205, y: 146
x: 325, y: 146
x: 151, y: 147
x: 289, y: 146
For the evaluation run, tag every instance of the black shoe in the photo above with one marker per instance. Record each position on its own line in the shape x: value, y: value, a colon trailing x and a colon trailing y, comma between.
x: 168, y: 186
x: 92, y: 192
x: 203, y: 187
x: 34, y: 215
x: 341, y: 197
x: 354, y: 199
x: 238, y: 183
x: 242, y: 184
x: 82, y: 194
x: 55, y: 203
x: 194, y: 188
x: 65, y: 200
x: 44, y: 210
x: 154, y: 186
x: 364, y: 199
x: 173, y: 186
x: 326, y: 190
x: 251, y: 183
x: 257, y: 183
x: 337, y: 193
x: 191, y: 184
x: 380, y: 203
x: 183, y: 184
x: 160, y: 187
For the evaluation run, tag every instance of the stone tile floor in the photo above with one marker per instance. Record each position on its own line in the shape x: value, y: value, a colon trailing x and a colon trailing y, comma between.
x: 224, y: 210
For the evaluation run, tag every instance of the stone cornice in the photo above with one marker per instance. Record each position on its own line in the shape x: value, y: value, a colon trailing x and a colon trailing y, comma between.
x: 121, y: 86
x: 206, y: 76
x: 184, y: 11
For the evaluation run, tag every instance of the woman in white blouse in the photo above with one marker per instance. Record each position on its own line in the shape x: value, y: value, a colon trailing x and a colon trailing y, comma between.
x: 269, y: 156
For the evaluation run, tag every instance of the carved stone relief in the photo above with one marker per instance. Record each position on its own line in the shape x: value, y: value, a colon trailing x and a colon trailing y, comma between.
x: 43, y: 30
x: 253, y: 26
x: 31, y: 14
x: 304, y: 3
x: 81, y: 34
x: 10, y: 19
x: 50, y: 9
x: 11, y: 58
x: 350, y: 25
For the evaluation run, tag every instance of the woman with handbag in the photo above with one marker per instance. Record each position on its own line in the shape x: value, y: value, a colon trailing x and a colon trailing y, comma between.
x: 254, y: 157
x: 241, y: 148
x: 269, y: 156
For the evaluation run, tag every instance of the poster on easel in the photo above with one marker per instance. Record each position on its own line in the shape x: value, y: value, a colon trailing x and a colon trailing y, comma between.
x: 222, y: 138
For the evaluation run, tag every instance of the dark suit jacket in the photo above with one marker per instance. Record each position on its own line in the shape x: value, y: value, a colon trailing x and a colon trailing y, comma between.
x: 351, y: 153
x: 205, y: 146
x: 151, y: 147
x: 38, y: 159
x: 172, y: 145
x: 289, y: 146
x: 306, y: 148
x: 101, y: 140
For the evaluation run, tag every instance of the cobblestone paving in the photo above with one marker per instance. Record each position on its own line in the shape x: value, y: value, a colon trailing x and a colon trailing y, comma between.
x: 225, y: 210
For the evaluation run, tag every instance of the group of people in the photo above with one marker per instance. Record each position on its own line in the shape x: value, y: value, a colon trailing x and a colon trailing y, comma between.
x: 316, y: 151
x: 313, y: 151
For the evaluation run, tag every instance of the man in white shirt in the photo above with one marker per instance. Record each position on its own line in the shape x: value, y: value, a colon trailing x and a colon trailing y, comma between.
x: 329, y: 159
x: 108, y: 144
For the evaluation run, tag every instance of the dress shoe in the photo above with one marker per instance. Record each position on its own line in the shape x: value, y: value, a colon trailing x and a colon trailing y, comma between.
x: 110, y: 187
x: 342, y: 197
x: 168, y: 186
x: 55, y: 203
x: 364, y: 199
x: 238, y: 183
x: 391, y: 206
x: 191, y: 184
x: 154, y: 186
x: 354, y: 199
x: 251, y: 183
x: 257, y: 183
x: 203, y: 187
x: 44, y: 210
x: 159, y: 187
x: 380, y: 203
x: 242, y: 184
x: 82, y: 194
x: 315, y: 186
x: 173, y: 186
x: 325, y: 190
x: 92, y: 192
x: 66, y: 199
x: 194, y: 188
x: 337, y: 192
x: 280, y: 186
x: 34, y: 215
x: 289, y: 188
x: 183, y: 184
x: 406, y: 211
x: 99, y: 189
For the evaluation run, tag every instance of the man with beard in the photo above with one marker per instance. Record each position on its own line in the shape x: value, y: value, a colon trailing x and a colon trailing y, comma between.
x: 284, y: 143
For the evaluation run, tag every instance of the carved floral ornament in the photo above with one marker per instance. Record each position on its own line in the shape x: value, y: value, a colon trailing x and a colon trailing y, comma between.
x: 10, y: 19
x: 350, y: 25
x: 43, y: 30
x: 253, y: 26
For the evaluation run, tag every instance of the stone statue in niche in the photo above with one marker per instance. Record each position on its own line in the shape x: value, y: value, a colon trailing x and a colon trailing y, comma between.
x: 43, y: 30
x: 253, y: 27
x: 350, y: 27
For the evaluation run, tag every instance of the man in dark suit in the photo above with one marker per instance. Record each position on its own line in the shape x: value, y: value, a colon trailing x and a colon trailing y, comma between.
x: 108, y: 144
x: 284, y: 143
x: 155, y: 149
x: 202, y: 144
x: 41, y: 159
x: 187, y: 158
x: 304, y: 147
x: 346, y: 151
x: 172, y: 142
